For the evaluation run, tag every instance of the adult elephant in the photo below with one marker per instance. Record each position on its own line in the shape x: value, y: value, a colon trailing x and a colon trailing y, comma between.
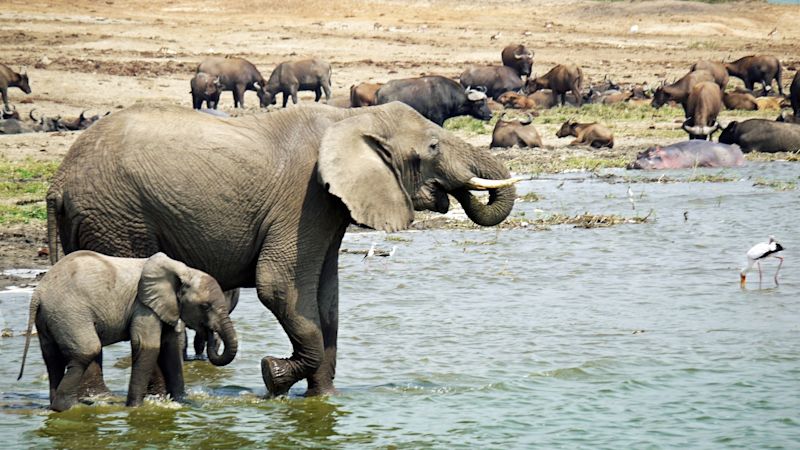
x: 149, y: 179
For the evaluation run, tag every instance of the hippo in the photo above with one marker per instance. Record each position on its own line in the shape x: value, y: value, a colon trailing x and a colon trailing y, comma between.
x: 687, y: 155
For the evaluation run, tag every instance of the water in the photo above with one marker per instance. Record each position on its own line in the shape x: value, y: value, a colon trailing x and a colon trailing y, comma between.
x: 635, y: 336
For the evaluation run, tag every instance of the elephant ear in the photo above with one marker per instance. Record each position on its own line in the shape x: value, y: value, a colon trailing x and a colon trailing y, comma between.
x: 162, y: 277
x: 356, y: 164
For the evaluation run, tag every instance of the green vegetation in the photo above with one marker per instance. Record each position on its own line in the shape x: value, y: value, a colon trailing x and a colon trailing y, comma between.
x: 23, y: 185
x: 779, y: 156
x: 426, y: 221
x: 530, y: 197
x: 777, y: 185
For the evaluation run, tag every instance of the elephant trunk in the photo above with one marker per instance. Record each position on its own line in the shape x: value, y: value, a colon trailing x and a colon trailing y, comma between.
x: 229, y: 340
x: 501, y: 198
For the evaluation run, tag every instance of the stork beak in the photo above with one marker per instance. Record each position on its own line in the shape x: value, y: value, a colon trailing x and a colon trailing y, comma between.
x: 742, y: 278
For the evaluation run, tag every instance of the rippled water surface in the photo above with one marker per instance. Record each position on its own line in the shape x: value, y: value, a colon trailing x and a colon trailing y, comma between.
x: 635, y: 336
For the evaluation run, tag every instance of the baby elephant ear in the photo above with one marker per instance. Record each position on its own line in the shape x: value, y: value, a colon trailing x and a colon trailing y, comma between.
x: 358, y: 165
x: 159, y: 284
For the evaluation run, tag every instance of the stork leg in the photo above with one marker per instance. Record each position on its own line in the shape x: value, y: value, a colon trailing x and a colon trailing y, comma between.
x: 779, y: 269
x: 758, y: 264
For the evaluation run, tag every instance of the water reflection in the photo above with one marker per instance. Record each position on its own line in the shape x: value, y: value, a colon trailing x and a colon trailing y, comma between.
x: 303, y: 421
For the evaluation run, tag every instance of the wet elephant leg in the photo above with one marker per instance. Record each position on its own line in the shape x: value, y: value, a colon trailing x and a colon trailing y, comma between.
x: 294, y: 305
x: 321, y: 381
x: 56, y: 364
x: 287, y: 279
x: 92, y: 382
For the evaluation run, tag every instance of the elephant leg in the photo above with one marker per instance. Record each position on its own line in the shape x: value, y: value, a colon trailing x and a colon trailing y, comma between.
x: 294, y: 305
x: 4, y: 92
x: 55, y: 362
x: 317, y: 93
x: 67, y: 391
x: 170, y: 362
x: 66, y: 395
x: 292, y: 298
x: 327, y: 88
x: 321, y: 381
x: 199, y: 342
x: 92, y: 382
x: 294, y: 96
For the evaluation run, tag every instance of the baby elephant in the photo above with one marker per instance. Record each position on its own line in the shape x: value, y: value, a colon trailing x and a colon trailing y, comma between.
x: 593, y: 134
x: 88, y: 300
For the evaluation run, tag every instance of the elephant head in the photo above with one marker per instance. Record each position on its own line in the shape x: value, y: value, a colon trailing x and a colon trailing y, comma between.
x: 174, y: 291
x: 391, y: 161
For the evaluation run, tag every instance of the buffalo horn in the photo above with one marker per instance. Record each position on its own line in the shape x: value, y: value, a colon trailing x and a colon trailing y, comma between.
x: 528, y: 119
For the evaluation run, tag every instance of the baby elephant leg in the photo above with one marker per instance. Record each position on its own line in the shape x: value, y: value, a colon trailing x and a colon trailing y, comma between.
x: 67, y: 391
x: 92, y: 382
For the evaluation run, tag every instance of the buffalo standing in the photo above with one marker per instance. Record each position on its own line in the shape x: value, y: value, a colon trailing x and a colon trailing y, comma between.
x: 436, y: 97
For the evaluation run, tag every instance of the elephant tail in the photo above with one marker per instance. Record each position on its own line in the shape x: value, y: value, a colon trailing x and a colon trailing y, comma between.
x: 34, y: 308
x: 54, y: 208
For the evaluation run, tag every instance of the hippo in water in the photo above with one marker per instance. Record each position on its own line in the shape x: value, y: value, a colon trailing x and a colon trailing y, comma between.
x: 689, y: 154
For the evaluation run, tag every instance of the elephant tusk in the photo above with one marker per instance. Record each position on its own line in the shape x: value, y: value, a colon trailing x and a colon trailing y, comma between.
x: 482, y: 184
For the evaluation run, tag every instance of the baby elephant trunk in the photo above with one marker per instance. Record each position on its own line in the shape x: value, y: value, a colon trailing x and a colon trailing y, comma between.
x: 228, y: 335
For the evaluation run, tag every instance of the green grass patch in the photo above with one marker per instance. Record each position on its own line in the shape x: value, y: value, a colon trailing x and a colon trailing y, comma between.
x: 23, y: 186
x: 530, y: 197
x: 608, y: 114
x: 777, y: 185
x: 778, y: 156
x: 470, y: 124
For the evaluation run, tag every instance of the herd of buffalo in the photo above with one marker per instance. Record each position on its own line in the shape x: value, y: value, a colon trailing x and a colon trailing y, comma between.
x: 480, y: 91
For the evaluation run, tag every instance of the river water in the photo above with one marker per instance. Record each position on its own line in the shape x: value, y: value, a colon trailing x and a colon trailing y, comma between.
x: 634, y: 336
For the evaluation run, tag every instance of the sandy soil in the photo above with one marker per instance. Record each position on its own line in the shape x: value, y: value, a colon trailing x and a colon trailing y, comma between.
x: 103, y: 56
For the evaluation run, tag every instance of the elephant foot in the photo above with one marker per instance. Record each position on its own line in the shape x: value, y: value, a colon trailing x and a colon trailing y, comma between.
x: 277, y: 375
x: 63, y: 403
x: 92, y: 383
x: 317, y: 391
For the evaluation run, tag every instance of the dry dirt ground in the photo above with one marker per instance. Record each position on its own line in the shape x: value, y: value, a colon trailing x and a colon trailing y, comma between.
x: 105, y: 55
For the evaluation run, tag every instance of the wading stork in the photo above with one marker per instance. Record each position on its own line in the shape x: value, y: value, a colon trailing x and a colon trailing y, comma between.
x: 759, y: 252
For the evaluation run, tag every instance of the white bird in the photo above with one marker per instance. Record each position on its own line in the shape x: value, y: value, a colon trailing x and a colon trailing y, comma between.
x: 370, y: 252
x: 630, y: 198
x: 759, y: 252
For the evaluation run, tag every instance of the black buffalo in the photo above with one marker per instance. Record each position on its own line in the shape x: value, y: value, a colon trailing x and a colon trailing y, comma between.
x: 496, y: 80
x: 762, y: 135
x: 435, y: 97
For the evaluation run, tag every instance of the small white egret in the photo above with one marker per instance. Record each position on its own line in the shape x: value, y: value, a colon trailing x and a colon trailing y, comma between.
x: 759, y: 252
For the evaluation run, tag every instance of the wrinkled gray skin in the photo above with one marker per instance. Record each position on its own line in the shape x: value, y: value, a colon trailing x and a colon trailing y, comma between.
x: 89, y: 300
x: 205, y: 88
x: 277, y: 226
x: 689, y: 154
x: 201, y: 337
x: 762, y: 135
x: 236, y: 75
x: 9, y: 78
x: 290, y: 77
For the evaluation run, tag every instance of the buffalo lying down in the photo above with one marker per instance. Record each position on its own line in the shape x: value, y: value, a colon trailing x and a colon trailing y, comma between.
x: 762, y: 135
x: 688, y: 154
